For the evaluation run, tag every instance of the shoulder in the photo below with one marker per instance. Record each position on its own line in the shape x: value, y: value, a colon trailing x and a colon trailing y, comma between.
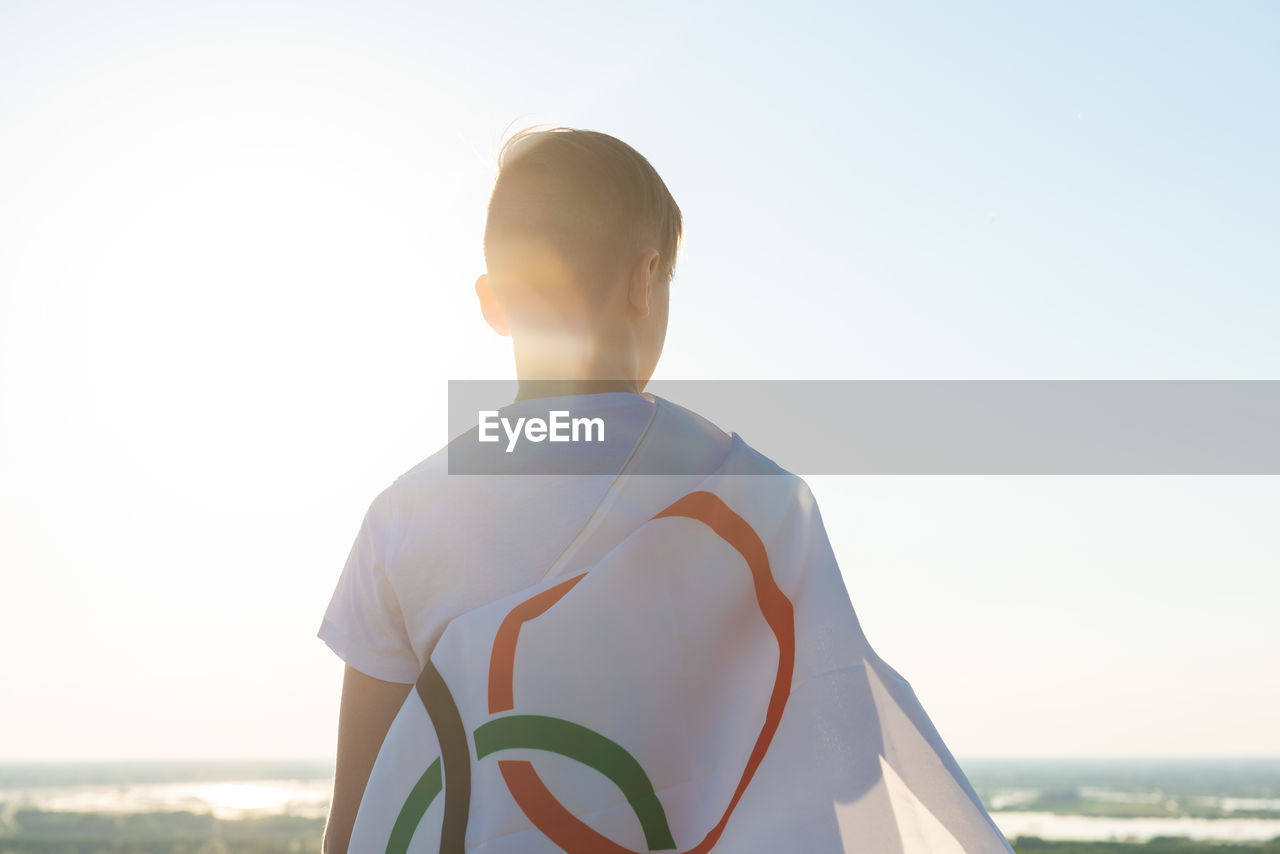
x: 736, y: 455
x: 424, y: 478
x: 404, y: 499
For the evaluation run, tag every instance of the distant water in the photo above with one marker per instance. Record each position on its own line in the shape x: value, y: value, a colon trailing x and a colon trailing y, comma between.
x: 233, y: 790
x: 1017, y: 790
x: 1177, y: 778
x: 1082, y: 828
x: 229, y: 790
x: 222, y: 799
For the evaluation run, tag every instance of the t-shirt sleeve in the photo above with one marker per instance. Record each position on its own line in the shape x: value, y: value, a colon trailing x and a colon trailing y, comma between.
x: 364, y: 623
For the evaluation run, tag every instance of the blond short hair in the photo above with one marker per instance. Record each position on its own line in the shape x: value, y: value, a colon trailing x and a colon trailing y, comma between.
x: 590, y: 196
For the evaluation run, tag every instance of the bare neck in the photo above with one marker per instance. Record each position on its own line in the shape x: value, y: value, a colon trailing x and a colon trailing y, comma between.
x: 563, y: 388
x: 569, y: 365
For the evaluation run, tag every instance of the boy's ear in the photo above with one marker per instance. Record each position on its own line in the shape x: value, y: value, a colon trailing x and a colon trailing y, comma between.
x: 490, y: 308
x: 641, y: 284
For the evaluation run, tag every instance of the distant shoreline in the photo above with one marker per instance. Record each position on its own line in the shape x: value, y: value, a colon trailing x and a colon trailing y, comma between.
x: 1210, y: 800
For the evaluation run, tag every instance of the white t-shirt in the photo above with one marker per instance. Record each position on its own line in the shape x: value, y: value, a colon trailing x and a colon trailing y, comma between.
x: 434, y: 546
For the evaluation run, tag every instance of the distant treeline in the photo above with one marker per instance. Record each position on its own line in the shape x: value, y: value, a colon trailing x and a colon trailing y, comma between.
x: 37, y: 832
x: 32, y: 831
x: 1159, y: 845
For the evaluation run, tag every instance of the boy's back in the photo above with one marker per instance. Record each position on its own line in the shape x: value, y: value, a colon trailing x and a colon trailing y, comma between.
x: 684, y: 671
x: 656, y: 653
x: 434, y: 546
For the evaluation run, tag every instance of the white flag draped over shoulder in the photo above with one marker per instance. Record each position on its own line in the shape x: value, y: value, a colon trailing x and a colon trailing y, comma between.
x: 697, y: 684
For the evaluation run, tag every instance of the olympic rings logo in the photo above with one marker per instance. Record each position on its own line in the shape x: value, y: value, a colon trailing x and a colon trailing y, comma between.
x: 451, y: 772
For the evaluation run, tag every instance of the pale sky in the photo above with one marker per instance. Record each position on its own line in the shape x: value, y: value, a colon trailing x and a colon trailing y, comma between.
x: 237, y: 246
